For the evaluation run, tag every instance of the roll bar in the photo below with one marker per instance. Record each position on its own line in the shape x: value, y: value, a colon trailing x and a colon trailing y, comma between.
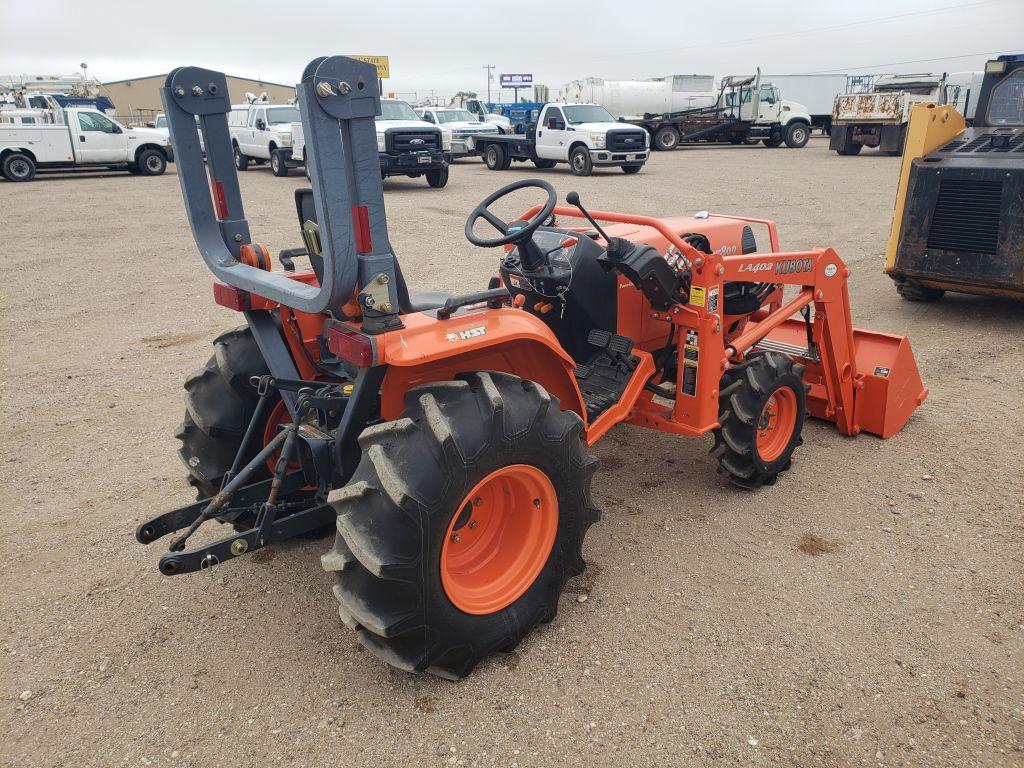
x: 338, y: 101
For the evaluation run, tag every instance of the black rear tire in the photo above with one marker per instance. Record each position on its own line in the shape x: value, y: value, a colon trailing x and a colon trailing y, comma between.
x: 494, y: 157
x: 17, y: 166
x: 395, y: 513
x: 219, y: 403
x: 438, y: 177
x: 277, y: 163
x: 744, y: 397
x: 545, y: 164
x: 911, y: 290
x: 665, y: 138
x: 850, y: 150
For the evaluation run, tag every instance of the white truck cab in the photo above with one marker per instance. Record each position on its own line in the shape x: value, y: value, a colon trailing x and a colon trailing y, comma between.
x: 789, y: 121
x: 32, y: 139
x: 479, y: 110
x: 457, y: 125
x: 262, y: 132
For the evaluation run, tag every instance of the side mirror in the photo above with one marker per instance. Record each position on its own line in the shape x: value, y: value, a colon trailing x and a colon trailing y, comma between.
x: 261, y: 125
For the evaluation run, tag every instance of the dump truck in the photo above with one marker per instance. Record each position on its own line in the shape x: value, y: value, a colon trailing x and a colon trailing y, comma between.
x: 958, y: 222
x: 879, y: 117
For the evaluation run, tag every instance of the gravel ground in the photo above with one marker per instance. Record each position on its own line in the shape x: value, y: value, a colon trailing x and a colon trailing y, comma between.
x: 866, y: 610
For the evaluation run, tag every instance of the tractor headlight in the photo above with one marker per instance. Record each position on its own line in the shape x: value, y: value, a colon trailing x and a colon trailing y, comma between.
x: 598, y: 140
x: 381, y: 147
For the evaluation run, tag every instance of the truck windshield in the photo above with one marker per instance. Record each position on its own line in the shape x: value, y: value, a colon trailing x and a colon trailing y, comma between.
x: 280, y: 115
x: 454, y: 116
x: 396, y: 110
x: 161, y: 121
x: 588, y: 113
x: 1006, y: 104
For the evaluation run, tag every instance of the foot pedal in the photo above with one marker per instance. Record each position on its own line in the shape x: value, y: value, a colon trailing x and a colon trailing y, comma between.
x: 583, y: 371
x: 620, y: 345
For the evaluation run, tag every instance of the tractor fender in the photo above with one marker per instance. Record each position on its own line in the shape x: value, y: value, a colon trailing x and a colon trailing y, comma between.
x: 509, y: 340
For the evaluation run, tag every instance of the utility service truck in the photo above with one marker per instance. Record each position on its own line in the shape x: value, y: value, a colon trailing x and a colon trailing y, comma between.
x: 61, y: 139
x: 879, y: 117
x: 583, y: 135
x: 406, y: 145
x: 261, y: 132
x: 457, y: 126
x: 744, y: 111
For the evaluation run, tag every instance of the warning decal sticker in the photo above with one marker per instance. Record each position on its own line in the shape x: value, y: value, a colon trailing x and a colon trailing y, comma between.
x: 697, y: 296
x: 691, y: 359
x: 713, y: 300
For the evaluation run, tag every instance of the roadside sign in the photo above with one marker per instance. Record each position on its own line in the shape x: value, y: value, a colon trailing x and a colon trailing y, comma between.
x: 381, y: 62
x: 516, y: 81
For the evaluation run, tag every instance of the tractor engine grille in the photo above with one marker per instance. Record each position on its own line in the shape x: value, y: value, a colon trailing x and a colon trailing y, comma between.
x: 626, y: 141
x: 1007, y: 142
x: 412, y: 141
x: 966, y: 216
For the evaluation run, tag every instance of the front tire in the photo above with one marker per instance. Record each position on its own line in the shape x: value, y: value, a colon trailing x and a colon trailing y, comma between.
x: 580, y: 162
x: 797, y: 135
x: 438, y: 177
x: 151, y: 162
x: 277, y: 163
x: 762, y: 406
x: 911, y: 290
x: 462, y: 523
x: 17, y: 166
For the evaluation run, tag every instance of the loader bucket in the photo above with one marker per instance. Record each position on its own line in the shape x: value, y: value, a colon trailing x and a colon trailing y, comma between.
x: 887, y: 384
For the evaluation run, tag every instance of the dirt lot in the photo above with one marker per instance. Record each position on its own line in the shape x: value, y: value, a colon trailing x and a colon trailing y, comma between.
x: 867, y: 610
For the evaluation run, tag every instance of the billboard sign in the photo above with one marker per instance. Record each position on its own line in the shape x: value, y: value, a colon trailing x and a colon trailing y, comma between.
x: 516, y: 81
x: 380, y: 62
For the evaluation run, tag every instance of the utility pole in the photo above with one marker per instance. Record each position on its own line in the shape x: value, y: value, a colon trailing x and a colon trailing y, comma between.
x: 490, y: 77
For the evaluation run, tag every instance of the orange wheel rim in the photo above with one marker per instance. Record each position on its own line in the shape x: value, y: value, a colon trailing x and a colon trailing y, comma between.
x: 499, y: 539
x: 775, y: 424
x: 279, y: 417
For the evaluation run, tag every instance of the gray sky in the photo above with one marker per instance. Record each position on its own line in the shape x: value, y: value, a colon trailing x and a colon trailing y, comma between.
x: 443, y: 45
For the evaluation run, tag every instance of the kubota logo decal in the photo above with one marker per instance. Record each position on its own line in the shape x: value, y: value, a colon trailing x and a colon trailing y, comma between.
x: 792, y: 266
x: 469, y: 333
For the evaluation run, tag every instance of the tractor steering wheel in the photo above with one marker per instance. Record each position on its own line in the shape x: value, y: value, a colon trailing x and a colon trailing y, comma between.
x: 518, y: 235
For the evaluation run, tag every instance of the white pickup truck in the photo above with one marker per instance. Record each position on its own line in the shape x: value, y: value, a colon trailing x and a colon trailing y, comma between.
x: 457, y: 125
x: 406, y: 145
x: 880, y: 117
x: 45, y: 139
x: 583, y: 135
x: 262, y: 132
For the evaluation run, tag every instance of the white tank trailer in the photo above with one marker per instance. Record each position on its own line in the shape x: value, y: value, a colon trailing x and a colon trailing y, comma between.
x: 635, y: 98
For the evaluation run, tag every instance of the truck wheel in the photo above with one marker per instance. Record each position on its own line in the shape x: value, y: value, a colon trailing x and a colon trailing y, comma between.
x: 629, y: 170
x: 494, y: 157
x: 911, y: 290
x: 278, y: 164
x: 775, y: 139
x: 666, y: 138
x: 462, y: 523
x: 438, y: 177
x: 762, y: 405
x: 797, y: 135
x: 151, y: 162
x: 241, y: 161
x: 545, y: 164
x: 580, y: 162
x: 17, y: 166
x: 850, y: 150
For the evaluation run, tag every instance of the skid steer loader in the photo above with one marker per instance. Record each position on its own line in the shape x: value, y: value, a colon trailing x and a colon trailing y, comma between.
x: 445, y: 438
x: 958, y: 223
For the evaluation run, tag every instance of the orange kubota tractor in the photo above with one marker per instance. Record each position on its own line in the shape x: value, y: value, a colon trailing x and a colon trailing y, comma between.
x: 446, y: 437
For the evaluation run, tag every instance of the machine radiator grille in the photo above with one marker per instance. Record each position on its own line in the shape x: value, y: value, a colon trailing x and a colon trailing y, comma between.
x: 413, y: 141
x: 1008, y: 142
x: 966, y: 216
x: 626, y: 141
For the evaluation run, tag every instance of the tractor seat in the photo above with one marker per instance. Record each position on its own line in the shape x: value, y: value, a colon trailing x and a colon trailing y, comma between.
x: 418, y: 301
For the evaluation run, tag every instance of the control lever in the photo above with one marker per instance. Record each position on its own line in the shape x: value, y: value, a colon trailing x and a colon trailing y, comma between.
x: 617, y: 246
